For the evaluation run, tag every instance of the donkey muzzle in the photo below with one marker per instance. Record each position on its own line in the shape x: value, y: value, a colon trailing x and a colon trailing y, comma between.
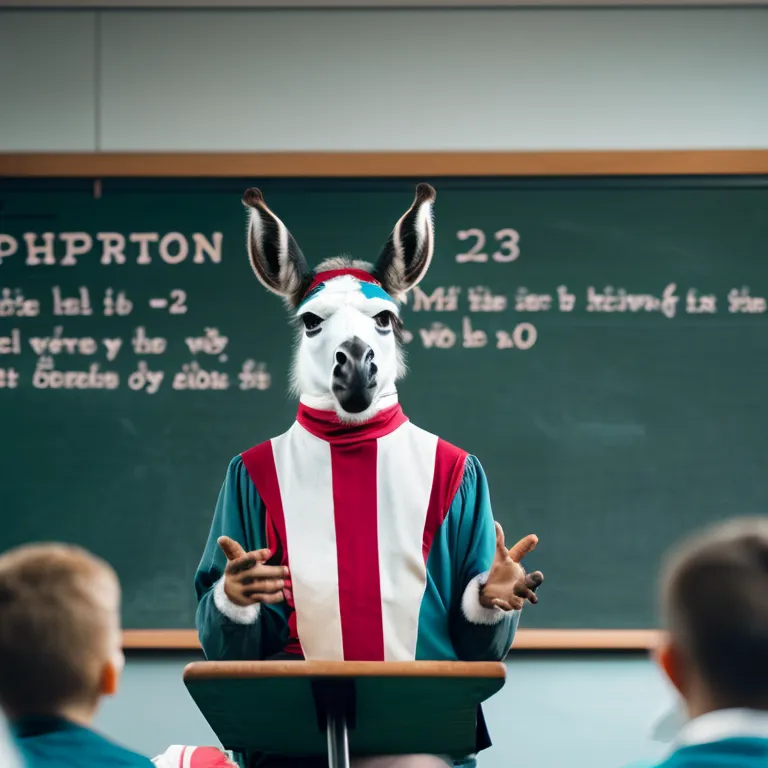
x: 354, y: 375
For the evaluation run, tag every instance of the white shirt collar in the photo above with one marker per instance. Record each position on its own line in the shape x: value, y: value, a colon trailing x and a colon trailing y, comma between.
x: 724, y: 724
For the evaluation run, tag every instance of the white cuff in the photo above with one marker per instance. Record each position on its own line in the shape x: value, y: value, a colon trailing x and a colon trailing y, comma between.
x: 171, y: 758
x: 240, y: 614
x: 474, y: 612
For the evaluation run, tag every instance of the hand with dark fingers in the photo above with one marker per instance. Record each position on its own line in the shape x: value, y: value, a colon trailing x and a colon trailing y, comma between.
x: 508, y: 585
x: 247, y: 580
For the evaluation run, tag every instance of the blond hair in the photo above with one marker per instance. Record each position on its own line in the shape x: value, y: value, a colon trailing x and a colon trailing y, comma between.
x: 59, y: 625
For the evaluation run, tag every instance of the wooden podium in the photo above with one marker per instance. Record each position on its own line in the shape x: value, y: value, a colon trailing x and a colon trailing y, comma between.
x: 338, y: 708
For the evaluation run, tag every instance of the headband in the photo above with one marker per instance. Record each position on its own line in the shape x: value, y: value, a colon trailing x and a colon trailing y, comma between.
x: 322, y: 277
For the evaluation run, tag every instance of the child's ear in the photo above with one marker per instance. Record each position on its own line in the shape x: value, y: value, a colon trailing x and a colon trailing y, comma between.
x: 668, y: 657
x: 111, y: 673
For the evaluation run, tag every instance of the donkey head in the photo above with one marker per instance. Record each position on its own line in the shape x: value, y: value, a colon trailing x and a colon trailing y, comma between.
x: 349, y: 353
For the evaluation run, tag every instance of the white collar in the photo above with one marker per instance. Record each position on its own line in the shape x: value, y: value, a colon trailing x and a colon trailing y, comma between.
x: 724, y: 724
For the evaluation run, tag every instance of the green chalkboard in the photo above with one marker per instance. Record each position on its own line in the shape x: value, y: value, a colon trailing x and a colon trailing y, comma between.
x: 600, y: 345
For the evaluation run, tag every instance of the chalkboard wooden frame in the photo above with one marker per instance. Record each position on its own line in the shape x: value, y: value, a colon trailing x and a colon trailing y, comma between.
x: 396, y: 164
x: 386, y: 164
x: 526, y: 639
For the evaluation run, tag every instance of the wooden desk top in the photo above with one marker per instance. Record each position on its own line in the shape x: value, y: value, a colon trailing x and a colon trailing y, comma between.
x: 208, y: 670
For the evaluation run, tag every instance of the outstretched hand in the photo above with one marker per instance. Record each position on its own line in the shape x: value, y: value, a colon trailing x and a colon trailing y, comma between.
x: 247, y: 580
x: 508, y: 585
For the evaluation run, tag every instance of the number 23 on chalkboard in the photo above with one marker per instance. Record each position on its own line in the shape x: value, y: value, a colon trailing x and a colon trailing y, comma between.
x: 508, y: 240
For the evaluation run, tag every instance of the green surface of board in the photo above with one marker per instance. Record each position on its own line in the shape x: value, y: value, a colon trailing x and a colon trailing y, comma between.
x: 600, y: 345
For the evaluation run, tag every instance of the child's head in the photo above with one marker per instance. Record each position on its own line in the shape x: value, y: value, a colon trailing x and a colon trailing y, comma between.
x: 715, y: 606
x: 59, y: 631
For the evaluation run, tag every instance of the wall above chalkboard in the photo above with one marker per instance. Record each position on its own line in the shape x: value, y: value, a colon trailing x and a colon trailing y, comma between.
x: 614, y: 325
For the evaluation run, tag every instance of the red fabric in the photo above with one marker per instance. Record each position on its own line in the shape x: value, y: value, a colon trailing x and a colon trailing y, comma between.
x: 194, y: 757
x: 355, y: 511
x: 360, y: 274
x: 259, y: 462
x: 449, y: 470
x: 327, y: 426
x: 208, y: 757
x: 354, y: 466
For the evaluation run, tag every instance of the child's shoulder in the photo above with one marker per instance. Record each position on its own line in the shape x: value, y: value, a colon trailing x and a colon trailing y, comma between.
x: 109, y: 753
x: 727, y: 753
x: 78, y: 746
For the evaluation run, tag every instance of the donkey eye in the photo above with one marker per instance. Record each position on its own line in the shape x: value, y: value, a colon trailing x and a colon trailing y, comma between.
x: 311, y: 322
x: 383, y: 319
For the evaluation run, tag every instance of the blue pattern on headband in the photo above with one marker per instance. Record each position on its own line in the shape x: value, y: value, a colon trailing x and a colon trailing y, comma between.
x: 369, y: 290
x: 373, y: 291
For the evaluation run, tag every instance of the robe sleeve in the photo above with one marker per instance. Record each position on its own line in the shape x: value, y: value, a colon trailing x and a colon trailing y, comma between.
x: 477, y: 633
x: 228, y: 631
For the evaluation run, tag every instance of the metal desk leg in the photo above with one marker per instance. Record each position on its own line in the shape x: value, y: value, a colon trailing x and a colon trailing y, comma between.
x: 338, y: 743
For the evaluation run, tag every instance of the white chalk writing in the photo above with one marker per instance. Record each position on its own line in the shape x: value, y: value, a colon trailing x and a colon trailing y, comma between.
x: 211, y: 343
x: 507, y: 238
x: 116, y: 304
x: 527, y: 301
x: 113, y: 347
x: 57, y: 343
x: 144, y: 345
x: 698, y: 303
x: 67, y: 249
x: 620, y: 300
x: 9, y: 378
x: 47, y: 377
x: 254, y: 376
x: 482, y: 300
x: 740, y: 300
x: 145, y: 379
x: 565, y: 301
x: 472, y: 337
x: 437, y: 335
x: 14, y: 304
x: 71, y: 306
x: 440, y: 300
x: 11, y: 344
x: 192, y: 376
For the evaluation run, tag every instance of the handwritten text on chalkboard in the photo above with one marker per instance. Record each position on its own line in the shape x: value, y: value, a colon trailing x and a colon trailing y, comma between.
x: 65, y: 358
x: 66, y: 249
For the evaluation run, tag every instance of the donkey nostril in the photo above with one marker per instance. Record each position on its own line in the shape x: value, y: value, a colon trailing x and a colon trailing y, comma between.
x: 341, y: 358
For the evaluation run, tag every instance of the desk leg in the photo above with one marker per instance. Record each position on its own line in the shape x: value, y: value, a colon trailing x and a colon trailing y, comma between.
x: 338, y: 743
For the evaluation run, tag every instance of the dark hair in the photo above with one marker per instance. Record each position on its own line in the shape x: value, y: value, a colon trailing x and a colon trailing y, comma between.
x: 715, y: 604
x: 58, y: 622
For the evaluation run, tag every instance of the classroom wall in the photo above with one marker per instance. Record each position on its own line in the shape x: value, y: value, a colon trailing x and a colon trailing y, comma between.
x: 390, y: 80
x: 595, y: 711
x: 383, y: 79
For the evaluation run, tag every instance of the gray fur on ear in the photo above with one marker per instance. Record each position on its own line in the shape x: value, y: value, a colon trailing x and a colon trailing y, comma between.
x: 406, y: 256
x: 275, y: 256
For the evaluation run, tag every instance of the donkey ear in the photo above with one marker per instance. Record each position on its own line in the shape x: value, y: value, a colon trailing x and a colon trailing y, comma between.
x: 405, y: 257
x: 275, y: 256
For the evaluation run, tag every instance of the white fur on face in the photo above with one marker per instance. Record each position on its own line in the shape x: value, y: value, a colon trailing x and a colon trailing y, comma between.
x: 346, y: 313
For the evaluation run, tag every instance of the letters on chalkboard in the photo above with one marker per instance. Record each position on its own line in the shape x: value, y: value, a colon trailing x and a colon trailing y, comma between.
x: 68, y: 249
